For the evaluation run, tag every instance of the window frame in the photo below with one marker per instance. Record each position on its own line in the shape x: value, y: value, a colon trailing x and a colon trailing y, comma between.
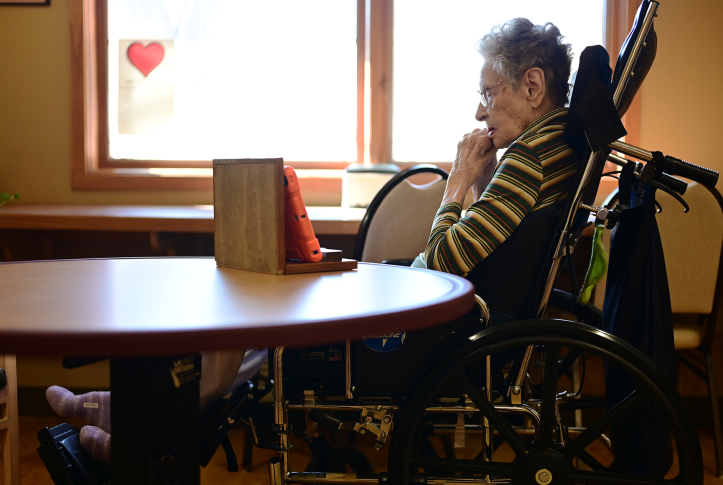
x: 92, y: 168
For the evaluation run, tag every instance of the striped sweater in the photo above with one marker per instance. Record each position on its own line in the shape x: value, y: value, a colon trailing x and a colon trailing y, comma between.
x: 535, y: 172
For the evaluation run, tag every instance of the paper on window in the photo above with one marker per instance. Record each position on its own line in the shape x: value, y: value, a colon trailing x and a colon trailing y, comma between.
x: 145, y: 86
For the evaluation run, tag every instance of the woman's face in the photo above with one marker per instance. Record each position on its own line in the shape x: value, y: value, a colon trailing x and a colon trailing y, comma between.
x: 508, y: 113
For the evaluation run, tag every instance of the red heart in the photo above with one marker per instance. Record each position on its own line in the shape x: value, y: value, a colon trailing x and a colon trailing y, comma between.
x: 146, y: 58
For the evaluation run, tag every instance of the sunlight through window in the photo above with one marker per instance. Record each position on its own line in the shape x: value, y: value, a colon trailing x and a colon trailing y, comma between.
x: 436, y: 65
x: 196, y: 80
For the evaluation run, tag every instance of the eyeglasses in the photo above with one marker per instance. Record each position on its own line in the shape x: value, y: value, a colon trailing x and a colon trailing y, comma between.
x: 484, y: 96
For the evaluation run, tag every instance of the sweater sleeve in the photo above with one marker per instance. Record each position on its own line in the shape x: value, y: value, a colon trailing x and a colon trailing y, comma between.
x: 457, y: 244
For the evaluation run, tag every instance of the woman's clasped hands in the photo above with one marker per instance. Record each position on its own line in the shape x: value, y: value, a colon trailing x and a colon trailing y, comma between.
x: 473, y: 166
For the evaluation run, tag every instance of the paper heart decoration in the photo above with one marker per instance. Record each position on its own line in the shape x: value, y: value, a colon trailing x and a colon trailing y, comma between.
x: 146, y: 58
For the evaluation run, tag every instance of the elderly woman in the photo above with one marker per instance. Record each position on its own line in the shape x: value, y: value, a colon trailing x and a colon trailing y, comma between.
x: 523, y: 91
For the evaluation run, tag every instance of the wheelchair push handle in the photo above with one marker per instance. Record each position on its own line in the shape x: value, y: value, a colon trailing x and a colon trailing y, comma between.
x: 668, y: 164
x: 675, y: 166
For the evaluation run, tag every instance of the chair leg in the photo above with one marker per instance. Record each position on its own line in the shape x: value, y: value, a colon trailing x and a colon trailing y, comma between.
x: 9, y: 422
x: 247, y: 459
x: 715, y: 411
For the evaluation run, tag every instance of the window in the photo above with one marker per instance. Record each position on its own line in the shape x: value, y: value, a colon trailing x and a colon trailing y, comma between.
x: 436, y: 66
x: 196, y: 80
x: 349, y: 80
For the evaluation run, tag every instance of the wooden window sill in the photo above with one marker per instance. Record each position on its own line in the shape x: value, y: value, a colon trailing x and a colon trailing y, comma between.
x: 326, y: 220
x: 198, y: 218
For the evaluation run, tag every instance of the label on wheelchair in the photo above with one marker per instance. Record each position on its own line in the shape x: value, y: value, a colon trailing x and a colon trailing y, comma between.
x: 387, y: 342
x: 639, y: 194
x: 330, y: 353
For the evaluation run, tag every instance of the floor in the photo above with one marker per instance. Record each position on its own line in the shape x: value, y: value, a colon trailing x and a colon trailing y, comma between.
x: 33, y: 472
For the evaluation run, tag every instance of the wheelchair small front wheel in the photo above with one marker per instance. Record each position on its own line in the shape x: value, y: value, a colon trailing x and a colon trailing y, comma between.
x: 535, y: 443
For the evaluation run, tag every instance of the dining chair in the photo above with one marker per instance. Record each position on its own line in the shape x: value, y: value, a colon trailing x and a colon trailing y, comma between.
x: 695, y: 277
x: 9, y: 429
x: 396, y: 226
x: 693, y: 245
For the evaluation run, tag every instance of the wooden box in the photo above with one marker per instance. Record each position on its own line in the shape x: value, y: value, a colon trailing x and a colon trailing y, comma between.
x: 249, y: 234
x: 248, y: 208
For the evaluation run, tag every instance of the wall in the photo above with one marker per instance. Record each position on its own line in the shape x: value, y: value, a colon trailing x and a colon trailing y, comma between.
x: 682, y: 98
x: 35, y: 113
x: 681, y: 102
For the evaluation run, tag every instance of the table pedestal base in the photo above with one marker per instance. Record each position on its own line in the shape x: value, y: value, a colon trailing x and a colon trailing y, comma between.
x: 155, y: 420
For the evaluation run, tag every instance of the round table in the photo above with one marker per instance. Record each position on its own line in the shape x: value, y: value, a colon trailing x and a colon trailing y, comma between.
x: 138, y: 310
x: 157, y: 306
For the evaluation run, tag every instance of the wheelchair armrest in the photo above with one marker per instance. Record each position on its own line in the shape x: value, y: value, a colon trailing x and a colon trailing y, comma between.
x: 563, y: 300
x: 484, y: 310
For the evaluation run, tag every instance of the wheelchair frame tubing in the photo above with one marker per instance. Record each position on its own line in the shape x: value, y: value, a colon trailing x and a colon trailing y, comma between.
x: 577, y: 200
x: 280, y: 469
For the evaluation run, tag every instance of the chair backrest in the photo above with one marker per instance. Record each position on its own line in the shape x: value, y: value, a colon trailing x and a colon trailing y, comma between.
x: 693, y: 246
x: 692, y: 243
x: 10, y: 440
x: 398, y: 220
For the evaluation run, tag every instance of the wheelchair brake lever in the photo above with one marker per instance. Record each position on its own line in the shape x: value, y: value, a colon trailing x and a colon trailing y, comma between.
x: 647, y: 175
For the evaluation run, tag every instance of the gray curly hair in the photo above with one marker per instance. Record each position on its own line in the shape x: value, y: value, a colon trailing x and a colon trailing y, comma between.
x: 518, y: 45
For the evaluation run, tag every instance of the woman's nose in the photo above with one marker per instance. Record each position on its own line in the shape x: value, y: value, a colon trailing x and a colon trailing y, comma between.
x: 481, y: 114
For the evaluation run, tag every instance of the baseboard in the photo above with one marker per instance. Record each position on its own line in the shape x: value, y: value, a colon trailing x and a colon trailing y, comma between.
x: 32, y: 401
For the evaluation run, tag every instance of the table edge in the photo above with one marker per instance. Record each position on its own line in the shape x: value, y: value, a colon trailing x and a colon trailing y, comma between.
x: 457, y: 302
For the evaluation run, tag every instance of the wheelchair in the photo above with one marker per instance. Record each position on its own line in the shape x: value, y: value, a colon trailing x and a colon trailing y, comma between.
x: 492, y: 397
x: 501, y: 384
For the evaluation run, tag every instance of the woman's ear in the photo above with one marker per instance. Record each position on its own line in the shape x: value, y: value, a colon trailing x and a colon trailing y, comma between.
x: 534, y: 85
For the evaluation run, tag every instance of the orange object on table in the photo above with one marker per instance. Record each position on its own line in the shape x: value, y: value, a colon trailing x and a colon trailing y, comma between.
x: 301, y: 243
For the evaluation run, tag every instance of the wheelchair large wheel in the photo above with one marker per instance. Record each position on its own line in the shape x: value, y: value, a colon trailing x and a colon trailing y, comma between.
x: 545, y: 453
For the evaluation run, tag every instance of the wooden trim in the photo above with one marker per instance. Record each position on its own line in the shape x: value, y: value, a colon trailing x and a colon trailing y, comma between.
x: 616, y: 27
x: 361, y: 42
x: 619, y: 18
x: 82, y: 31
x: 26, y: 3
x: 302, y: 267
x: 109, y: 218
x: 365, y: 116
x: 633, y: 115
x: 381, y: 65
x: 137, y: 179
x: 123, y: 218
x: 101, y: 59
x: 186, y: 164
